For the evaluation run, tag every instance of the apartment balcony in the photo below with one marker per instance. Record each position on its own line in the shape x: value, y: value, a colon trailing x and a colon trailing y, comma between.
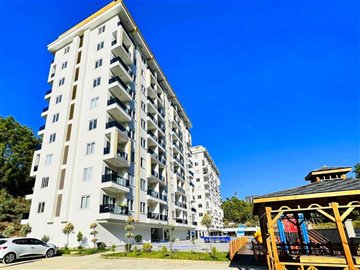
x: 181, y: 205
x: 25, y: 218
x: 194, y: 223
x: 119, y: 110
x: 180, y: 176
x: 122, y: 50
x: 179, y: 162
x: 112, y: 212
x: 152, y: 104
x: 153, y: 122
x: 48, y: 95
x: 153, y: 215
x: 192, y: 184
x: 119, y: 68
x: 178, y: 148
x: 154, y: 156
x: 156, y: 177
x: 44, y: 112
x: 181, y: 221
x: 193, y: 209
x: 180, y: 190
x: 123, y: 91
x: 153, y: 193
x: 117, y: 157
x: 115, y: 183
x: 124, y: 134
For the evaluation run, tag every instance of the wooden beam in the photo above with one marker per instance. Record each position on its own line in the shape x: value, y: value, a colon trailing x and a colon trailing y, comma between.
x: 308, y: 196
x: 343, y: 238
x: 272, y: 239
x: 326, y: 214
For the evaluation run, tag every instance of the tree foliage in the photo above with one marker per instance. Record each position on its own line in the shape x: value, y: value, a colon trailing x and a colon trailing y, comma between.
x: 17, y: 145
x: 11, y: 208
x: 67, y: 230
x: 238, y: 211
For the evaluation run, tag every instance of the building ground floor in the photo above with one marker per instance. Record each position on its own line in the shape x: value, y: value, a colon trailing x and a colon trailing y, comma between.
x: 108, y: 232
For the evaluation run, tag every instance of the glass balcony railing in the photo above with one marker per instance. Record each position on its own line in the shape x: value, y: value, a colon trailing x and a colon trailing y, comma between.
x: 114, y: 209
x: 153, y: 193
x: 128, y: 110
x: 111, y: 124
x: 127, y: 87
x: 113, y: 177
x: 120, y: 153
x: 121, y: 62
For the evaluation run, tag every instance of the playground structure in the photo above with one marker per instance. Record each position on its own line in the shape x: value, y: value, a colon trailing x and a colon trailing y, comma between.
x: 288, y: 243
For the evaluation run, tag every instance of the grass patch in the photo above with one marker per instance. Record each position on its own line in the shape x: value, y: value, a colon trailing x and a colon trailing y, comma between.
x: 179, y: 255
x: 80, y: 252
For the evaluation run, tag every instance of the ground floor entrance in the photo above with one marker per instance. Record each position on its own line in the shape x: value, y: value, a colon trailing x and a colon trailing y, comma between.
x: 157, y: 235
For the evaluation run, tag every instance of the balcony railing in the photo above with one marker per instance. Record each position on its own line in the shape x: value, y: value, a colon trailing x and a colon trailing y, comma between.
x: 162, y: 177
x: 153, y: 193
x: 152, y: 102
x: 180, y: 204
x: 181, y: 189
x: 38, y: 147
x: 36, y: 167
x: 182, y: 176
x: 152, y: 135
x: 119, y: 153
x: 45, y: 109
x: 163, y: 197
x: 155, y: 174
x: 122, y: 105
x: 163, y: 217
x: 193, y: 209
x: 153, y: 215
x: 119, y: 126
x: 48, y: 92
x: 113, y: 177
x: 127, y: 87
x: 182, y: 221
x: 152, y: 118
x: 42, y: 128
x: 114, y: 209
x: 153, y: 154
x: 127, y: 68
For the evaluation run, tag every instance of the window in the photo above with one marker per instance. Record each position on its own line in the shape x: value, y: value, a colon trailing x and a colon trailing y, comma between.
x: 100, y: 45
x: 142, y: 207
x: 44, y: 182
x: 142, y: 163
x: 90, y: 148
x: 52, y: 138
x: 101, y: 29
x: 87, y: 174
x: 200, y: 205
x: 142, y: 73
x: 197, y: 179
x: 58, y: 99
x: 85, y: 202
x: 131, y: 205
x: 67, y: 49
x: 94, y: 102
x: 64, y: 65
x: 143, y: 123
x: 196, y: 163
x: 96, y: 82
x: 55, y: 117
x: 61, y: 81
x: 172, y: 197
x: 143, y: 89
x: 143, y: 184
x: 199, y: 196
x: 48, y: 159
x: 143, y: 106
x: 41, y: 207
x: 98, y: 63
x: 200, y: 214
x: 92, y: 124
x: 143, y: 143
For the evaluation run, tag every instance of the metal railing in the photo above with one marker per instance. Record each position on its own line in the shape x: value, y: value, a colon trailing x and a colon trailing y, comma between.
x: 113, y: 177
x: 114, y: 209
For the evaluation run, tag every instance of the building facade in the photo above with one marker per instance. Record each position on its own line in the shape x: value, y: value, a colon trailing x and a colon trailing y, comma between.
x: 115, y: 141
x: 206, y: 195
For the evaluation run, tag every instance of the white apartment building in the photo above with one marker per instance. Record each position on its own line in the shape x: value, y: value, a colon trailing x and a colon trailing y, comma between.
x: 115, y: 141
x: 206, y: 195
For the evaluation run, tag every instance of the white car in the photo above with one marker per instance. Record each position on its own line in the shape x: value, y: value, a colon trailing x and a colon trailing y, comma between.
x: 12, y: 249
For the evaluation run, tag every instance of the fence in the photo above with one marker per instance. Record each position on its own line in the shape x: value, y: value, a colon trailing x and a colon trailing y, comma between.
x: 236, y: 245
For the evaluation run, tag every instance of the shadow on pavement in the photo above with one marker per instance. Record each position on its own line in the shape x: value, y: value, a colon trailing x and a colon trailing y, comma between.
x: 246, y: 262
x: 19, y: 262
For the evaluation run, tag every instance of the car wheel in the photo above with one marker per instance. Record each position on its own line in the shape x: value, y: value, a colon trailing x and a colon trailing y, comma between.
x: 9, y: 258
x: 50, y: 253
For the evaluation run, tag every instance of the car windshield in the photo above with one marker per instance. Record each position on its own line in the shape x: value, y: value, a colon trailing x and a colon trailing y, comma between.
x: 2, y: 242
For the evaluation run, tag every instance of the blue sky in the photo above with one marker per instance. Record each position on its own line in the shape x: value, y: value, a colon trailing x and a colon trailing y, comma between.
x: 271, y: 87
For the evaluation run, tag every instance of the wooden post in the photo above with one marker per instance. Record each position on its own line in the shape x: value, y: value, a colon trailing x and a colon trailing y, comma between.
x: 272, y: 238
x: 343, y: 238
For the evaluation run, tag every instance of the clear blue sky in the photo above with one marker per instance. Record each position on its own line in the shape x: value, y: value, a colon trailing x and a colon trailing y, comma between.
x: 271, y: 87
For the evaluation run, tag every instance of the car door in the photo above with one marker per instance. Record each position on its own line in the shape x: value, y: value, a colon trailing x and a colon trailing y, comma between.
x: 37, y: 247
x: 22, y: 247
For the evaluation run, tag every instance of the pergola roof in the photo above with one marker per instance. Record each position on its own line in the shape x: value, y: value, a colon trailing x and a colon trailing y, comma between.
x: 312, y: 191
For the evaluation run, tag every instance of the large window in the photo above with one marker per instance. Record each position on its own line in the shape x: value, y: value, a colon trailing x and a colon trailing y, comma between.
x: 142, y: 207
x: 94, y: 102
x: 87, y: 174
x: 48, y: 159
x: 41, y: 207
x: 96, y: 82
x: 90, y: 148
x: 92, y: 124
x: 44, y: 182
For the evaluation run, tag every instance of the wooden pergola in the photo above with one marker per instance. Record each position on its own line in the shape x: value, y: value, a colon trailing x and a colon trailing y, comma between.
x: 335, y: 199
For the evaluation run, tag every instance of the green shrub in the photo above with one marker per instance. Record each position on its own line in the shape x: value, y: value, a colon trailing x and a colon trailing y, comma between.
x: 45, y: 238
x: 128, y: 247
x: 164, y: 250
x: 138, y: 238
x: 147, y: 247
x: 214, y: 253
x: 80, y: 247
x: 101, y: 245
x: 113, y: 247
x: 136, y: 250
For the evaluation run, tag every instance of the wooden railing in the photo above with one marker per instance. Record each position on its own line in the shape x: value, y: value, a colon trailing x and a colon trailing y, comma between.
x: 236, y: 245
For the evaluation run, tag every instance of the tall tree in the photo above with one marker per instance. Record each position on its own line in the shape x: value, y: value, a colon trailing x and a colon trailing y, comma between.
x: 237, y: 211
x: 17, y: 145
